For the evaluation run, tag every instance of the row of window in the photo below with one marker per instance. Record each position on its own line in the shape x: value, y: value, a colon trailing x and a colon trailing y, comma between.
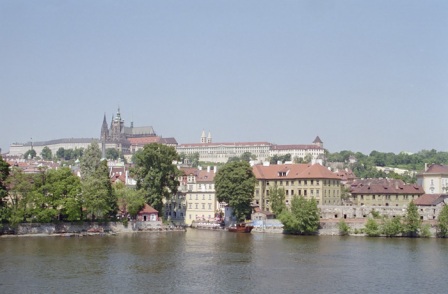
x: 304, y: 182
x: 329, y: 193
x: 202, y: 205
x: 388, y: 197
x: 196, y: 197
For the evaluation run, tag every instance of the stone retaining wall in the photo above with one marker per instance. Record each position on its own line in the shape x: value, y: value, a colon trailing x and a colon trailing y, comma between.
x: 74, y: 228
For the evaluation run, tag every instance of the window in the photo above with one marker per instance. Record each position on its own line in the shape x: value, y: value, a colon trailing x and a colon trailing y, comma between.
x: 312, y: 192
x: 196, y: 206
x: 304, y: 192
x: 209, y: 206
x: 203, y: 205
x: 300, y: 192
x: 210, y: 197
x: 292, y: 192
x: 189, y: 205
x: 196, y: 196
x: 312, y: 182
x: 286, y: 192
x: 190, y: 196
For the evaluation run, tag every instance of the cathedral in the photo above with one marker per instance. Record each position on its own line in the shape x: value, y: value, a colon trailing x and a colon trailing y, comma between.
x: 118, y: 136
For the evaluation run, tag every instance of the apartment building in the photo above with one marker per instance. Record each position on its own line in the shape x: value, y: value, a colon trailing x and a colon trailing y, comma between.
x: 310, y: 181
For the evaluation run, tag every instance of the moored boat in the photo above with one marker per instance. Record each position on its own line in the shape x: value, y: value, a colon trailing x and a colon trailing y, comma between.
x: 241, y: 228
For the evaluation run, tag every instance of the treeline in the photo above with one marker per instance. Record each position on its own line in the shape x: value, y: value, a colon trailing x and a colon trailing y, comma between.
x: 68, y: 154
x: 410, y: 225
x: 364, y: 166
x: 59, y: 195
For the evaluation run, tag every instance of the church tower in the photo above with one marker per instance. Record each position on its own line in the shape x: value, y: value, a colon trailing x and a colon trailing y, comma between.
x: 209, y: 138
x: 203, y: 137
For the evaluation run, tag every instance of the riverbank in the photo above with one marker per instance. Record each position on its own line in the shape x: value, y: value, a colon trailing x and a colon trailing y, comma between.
x: 87, y: 228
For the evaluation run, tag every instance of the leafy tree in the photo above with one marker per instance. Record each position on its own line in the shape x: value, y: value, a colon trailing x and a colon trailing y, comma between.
x: 344, y: 229
x: 156, y: 174
x: 129, y: 199
x: 30, y: 154
x: 60, y: 154
x: 247, y: 156
x: 20, y: 194
x: 372, y: 228
x: 442, y: 222
x: 425, y: 231
x: 303, y: 216
x: 233, y: 159
x: 391, y: 227
x: 90, y: 161
x: 97, y: 193
x: 46, y: 153
x: 112, y: 153
x: 277, y: 199
x: 308, y: 158
x: 412, y: 221
x: 235, y: 185
x: 4, y: 173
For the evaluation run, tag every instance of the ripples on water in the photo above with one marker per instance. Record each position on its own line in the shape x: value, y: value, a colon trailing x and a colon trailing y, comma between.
x: 222, y: 262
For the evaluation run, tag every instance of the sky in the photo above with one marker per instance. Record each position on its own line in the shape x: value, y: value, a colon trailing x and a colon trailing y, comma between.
x: 361, y: 75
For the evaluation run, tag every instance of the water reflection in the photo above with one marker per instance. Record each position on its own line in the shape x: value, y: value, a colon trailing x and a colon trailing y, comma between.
x: 222, y: 262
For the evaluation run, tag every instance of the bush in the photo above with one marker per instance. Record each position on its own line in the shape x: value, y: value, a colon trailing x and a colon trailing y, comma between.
x: 392, y: 227
x: 125, y: 222
x: 372, y: 228
x: 344, y: 229
x: 425, y: 231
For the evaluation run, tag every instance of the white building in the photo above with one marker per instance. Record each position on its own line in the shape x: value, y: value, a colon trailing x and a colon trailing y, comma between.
x: 434, y: 179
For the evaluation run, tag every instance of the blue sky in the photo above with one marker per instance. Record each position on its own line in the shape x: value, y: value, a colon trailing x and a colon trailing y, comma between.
x: 363, y: 75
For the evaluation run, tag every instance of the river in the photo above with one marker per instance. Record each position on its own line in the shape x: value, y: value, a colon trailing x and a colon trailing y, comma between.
x: 222, y: 262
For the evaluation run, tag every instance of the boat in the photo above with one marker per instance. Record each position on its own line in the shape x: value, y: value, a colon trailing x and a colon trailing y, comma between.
x: 241, y: 228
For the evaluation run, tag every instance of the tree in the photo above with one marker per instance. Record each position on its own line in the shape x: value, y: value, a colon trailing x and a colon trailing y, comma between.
x: 46, y: 153
x: 20, y: 192
x: 235, y: 185
x: 156, y: 174
x: 372, y: 228
x: 99, y: 200
x: 247, y: 156
x: 277, y: 199
x: 391, y: 227
x: 344, y: 229
x: 112, y: 153
x: 412, y: 221
x: 30, y: 154
x: 129, y: 199
x: 4, y: 173
x: 60, y: 153
x: 303, y: 216
x: 97, y: 194
x: 442, y: 225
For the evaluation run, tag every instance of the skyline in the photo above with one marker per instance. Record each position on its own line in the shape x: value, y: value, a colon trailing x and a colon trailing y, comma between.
x: 362, y: 76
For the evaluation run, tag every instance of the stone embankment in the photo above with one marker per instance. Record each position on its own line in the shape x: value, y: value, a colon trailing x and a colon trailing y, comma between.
x: 89, y: 228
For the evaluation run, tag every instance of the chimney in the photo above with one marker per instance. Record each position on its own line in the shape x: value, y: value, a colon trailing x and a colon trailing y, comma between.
x: 215, y: 169
x: 208, y: 168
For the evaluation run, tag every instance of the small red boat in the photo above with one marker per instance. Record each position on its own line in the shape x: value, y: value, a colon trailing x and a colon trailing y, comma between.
x: 241, y: 228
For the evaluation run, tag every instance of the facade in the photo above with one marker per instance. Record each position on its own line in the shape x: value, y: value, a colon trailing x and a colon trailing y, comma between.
x: 200, y: 199
x: 310, y: 181
x: 221, y: 152
x: 383, y: 192
x: 434, y: 179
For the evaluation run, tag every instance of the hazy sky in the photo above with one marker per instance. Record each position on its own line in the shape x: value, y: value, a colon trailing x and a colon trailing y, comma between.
x: 363, y: 75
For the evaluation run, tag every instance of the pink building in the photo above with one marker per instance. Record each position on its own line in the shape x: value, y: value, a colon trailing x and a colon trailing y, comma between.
x: 148, y: 214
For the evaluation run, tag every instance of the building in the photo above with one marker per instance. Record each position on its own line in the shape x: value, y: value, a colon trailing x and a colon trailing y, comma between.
x: 434, y: 179
x: 126, y: 139
x: 383, y: 192
x: 198, y: 187
x: 310, y: 181
x: 148, y: 214
x: 221, y: 152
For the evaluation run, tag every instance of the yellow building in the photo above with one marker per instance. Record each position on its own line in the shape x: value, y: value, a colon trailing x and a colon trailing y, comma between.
x: 383, y: 192
x: 310, y: 181
x: 200, y: 197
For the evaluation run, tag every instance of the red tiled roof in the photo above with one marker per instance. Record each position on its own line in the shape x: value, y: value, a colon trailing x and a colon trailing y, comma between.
x: 205, y: 176
x: 147, y: 209
x: 437, y: 169
x: 292, y: 171
x: 295, y: 147
x: 225, y: 144
x: 144, y: 140
x: 428, y: 200
x: 384, y: 186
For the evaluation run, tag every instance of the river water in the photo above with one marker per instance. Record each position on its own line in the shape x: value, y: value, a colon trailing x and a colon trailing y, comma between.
x: 222, y: 262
